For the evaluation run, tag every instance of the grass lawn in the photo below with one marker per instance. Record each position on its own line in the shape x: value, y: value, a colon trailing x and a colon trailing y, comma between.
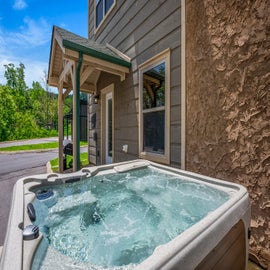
x: 83, y: 159
x: 40, y: 146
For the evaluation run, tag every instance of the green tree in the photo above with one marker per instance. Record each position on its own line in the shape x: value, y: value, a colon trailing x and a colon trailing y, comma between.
x: 37, y: 98
x: 7, y: 113
x: 24, y: 112
x: 25, y: 127
x: 16, y: 81
x: 28, y: 112
x: 15, y: 77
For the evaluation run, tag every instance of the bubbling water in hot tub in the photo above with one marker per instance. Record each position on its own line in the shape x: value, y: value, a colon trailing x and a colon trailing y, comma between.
x: 115, y: 221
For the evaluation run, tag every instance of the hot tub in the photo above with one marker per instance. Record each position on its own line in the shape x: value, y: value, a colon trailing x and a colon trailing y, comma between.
x: 174, y: 220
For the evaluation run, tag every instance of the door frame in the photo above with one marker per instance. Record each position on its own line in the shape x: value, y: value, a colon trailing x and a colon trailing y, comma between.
x: 109, y: 90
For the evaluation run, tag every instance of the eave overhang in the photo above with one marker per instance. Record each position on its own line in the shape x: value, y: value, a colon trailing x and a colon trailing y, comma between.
x: 91, y: 52
x: 65, y: 50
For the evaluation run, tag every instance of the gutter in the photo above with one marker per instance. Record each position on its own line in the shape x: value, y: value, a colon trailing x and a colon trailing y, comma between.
x: 97, y: 54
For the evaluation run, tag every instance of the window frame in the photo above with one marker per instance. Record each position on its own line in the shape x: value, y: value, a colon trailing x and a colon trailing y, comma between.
x: 104, y: 92
x: 149, y: 64
x: 105, y: 14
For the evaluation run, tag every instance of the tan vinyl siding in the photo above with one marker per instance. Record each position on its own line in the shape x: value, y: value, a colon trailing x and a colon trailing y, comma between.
x: 141, y: 30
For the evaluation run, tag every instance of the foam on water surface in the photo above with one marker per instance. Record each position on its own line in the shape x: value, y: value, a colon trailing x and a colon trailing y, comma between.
x: 115, y: 221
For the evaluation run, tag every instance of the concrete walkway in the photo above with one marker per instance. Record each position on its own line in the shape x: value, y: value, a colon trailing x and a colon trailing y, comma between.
x: 30, y: 141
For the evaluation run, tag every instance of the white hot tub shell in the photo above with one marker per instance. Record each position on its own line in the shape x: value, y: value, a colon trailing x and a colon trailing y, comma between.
x: 218, y: 241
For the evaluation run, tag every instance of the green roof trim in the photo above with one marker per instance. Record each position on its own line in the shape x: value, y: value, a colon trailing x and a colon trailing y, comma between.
x: 95, y: 53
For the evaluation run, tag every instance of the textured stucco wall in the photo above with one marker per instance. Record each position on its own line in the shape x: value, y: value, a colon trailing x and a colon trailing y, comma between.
x: 228, y: 101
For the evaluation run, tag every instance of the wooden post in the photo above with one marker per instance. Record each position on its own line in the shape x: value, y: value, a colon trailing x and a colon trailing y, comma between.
x: 60, y: 127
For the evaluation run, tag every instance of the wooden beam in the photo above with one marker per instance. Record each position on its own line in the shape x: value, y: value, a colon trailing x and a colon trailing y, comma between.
x: 73, y: 76
x: 97, y: 76
x: 60, y: 127
x: 52, y: 59
x: 101, y: 65
x: 66, y: 93
x: 121, y: 74
x: 86, y: 73
x: 87, y: 59
x: 118, y: 52
x: 53, y: 81
x: 70, y: 55
x: 59, y: 40
x: 88, y: 88
x: 66, y: 70
x: 100, y: 62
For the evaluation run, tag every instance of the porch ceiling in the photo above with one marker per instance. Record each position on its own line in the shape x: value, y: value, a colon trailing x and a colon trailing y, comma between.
x: 64, y: 56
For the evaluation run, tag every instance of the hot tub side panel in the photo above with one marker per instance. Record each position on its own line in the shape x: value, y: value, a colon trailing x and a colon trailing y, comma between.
x: 229, y: 253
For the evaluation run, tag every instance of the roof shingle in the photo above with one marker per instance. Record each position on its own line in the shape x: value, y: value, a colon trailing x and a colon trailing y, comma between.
x: 86, y: 46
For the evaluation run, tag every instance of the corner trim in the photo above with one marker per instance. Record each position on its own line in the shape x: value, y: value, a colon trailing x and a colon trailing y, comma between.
x: 183, y: 83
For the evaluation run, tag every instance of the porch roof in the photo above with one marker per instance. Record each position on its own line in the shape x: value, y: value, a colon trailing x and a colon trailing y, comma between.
x: 65, y: 50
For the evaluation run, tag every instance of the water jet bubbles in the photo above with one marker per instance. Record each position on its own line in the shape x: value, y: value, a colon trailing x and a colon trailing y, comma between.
x: 119, y: 219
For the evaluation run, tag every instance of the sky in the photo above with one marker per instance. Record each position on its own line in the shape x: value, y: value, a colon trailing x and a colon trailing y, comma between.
x: 26, y: 30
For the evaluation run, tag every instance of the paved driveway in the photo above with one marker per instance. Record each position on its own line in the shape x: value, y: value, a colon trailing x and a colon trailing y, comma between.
x: 13, y: 167
x: 7, y: 182
x: 15, y: 162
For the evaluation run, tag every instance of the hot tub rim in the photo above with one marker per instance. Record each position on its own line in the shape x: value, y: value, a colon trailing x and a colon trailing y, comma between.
x: 23, y: 186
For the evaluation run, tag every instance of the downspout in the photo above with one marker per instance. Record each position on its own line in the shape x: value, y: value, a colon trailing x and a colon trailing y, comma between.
x: 78, y: 111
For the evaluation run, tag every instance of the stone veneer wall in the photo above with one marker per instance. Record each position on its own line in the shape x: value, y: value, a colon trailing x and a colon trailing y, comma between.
x: 228, y: 101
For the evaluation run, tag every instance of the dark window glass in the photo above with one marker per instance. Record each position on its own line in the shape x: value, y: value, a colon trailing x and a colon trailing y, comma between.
x: 154, y: 132
x: 99, y: 12
x: 154, y: 87
x: 102, y: 7
x: 108, y: 4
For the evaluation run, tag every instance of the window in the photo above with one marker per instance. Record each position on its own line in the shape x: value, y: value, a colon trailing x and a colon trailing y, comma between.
x: 102, y: 8
x: 154, y: 108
